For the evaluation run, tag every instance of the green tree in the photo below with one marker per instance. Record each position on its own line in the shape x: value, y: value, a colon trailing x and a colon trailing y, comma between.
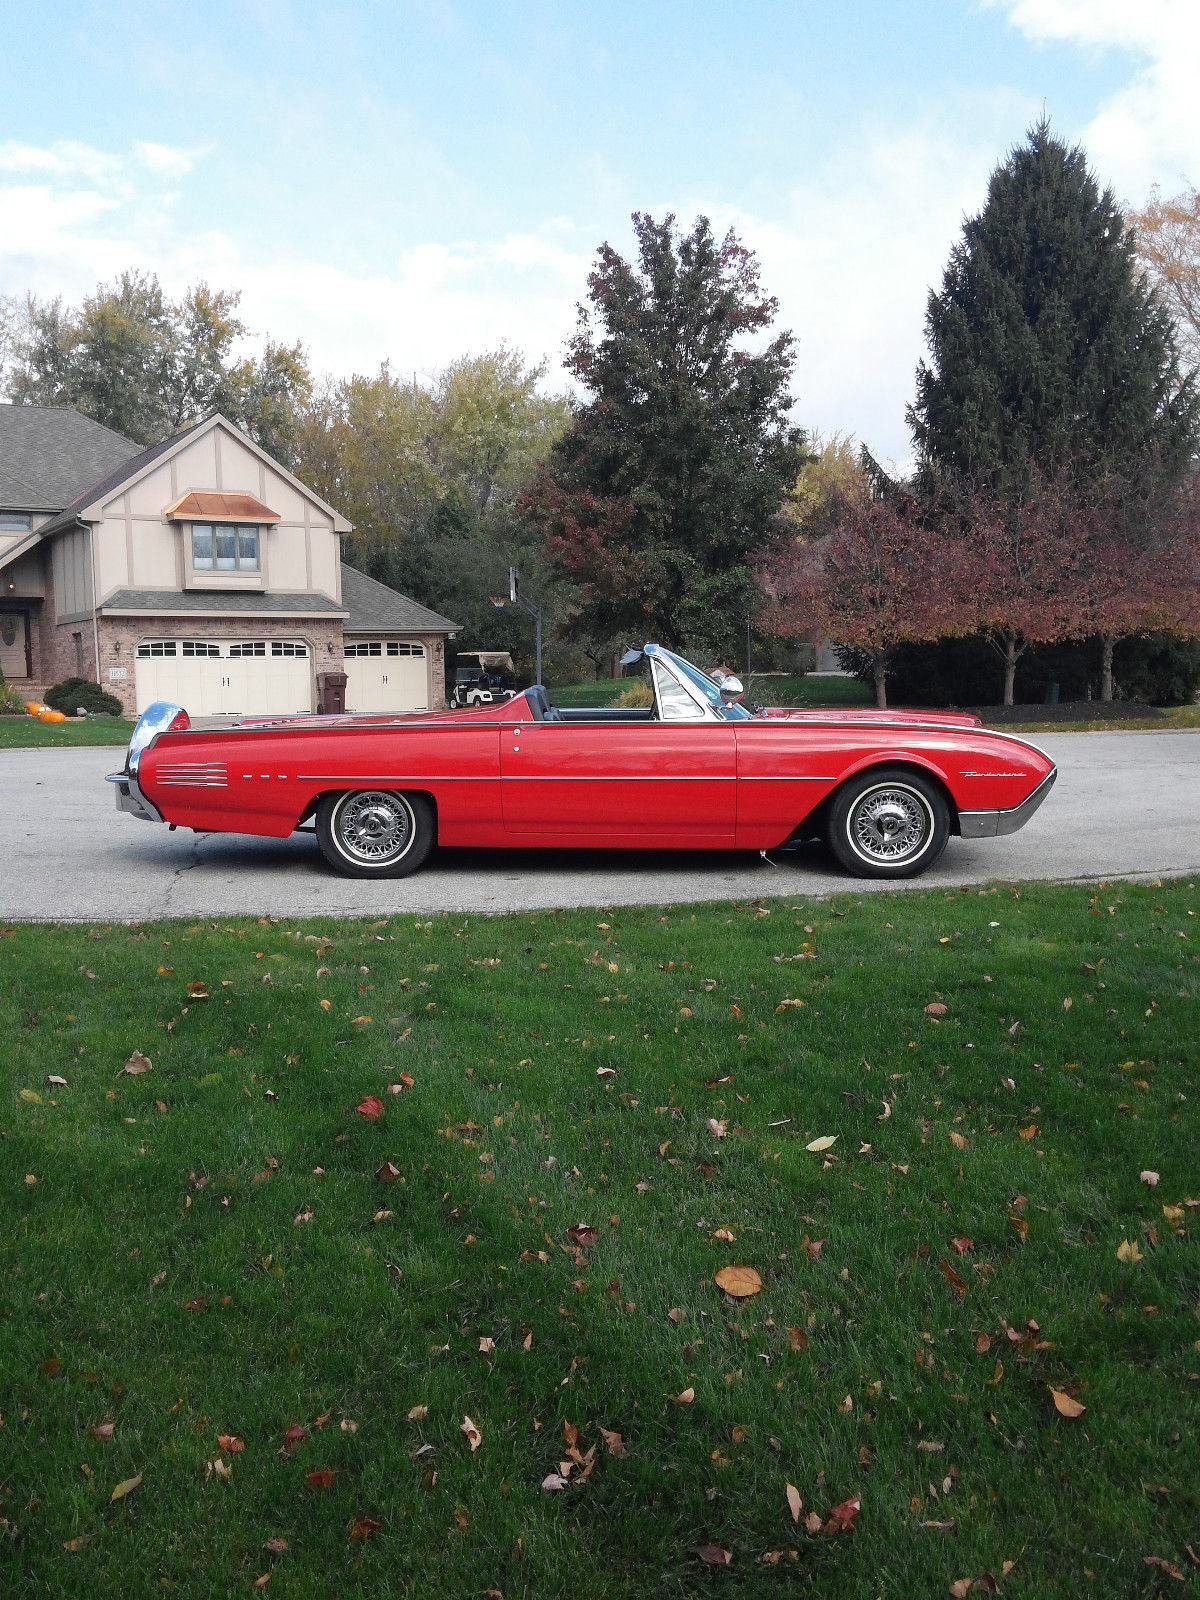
x: 147, y: 366
x: 656, y: 497
x: 1049, y: 353
x: 430, y: 472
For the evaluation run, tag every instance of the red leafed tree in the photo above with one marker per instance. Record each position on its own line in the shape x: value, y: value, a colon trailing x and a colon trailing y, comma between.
x: 882, y: 576
x: 1141, y: 571
x: 1027, y: 564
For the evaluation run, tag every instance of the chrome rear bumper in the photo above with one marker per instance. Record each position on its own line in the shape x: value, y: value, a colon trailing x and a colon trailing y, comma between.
x: 130, y: 798
x: 991, y: 824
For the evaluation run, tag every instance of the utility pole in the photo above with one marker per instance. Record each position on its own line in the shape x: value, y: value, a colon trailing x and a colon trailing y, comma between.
x: 518, y: 599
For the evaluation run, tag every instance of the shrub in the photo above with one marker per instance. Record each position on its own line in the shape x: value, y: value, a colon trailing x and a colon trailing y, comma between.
x: 72, y: 693
x: 637, y: 694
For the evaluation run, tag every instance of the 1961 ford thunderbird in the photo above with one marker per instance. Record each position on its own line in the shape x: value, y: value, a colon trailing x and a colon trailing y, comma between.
x: 695, y: 769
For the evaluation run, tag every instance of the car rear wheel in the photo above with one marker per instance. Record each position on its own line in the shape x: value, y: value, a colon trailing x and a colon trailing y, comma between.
x: 890, y: 823
x: 375, y: 833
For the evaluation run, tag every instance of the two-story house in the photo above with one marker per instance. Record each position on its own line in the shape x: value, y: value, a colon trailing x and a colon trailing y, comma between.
x: 198, y: 570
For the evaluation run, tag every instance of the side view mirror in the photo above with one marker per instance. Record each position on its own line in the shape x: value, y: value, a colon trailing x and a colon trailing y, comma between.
x: 732, y: 690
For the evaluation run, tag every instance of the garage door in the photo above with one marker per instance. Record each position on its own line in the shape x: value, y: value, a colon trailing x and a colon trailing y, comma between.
x: 238, y: 677
x: 386, y: 675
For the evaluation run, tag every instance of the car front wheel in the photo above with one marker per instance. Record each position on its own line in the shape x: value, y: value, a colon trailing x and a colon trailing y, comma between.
x: 888, y: 824
x: 375, y: 833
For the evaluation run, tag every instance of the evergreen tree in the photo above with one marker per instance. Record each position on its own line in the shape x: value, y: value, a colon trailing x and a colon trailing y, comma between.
x: 1049, y: 354
x: 654, y: 500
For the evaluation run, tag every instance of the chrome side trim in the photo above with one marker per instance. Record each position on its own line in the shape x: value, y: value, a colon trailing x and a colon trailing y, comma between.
x: 194, y: 774
x: 994, y: 824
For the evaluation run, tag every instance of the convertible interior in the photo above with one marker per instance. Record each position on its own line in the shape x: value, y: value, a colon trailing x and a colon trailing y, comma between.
x: 682, y: 693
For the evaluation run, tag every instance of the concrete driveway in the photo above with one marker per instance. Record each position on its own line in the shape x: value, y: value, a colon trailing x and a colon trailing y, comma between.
x: 1125, y: 804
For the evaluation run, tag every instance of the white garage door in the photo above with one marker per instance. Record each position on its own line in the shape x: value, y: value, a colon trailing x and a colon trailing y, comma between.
x: 386, y: 675
x: 240, y: 677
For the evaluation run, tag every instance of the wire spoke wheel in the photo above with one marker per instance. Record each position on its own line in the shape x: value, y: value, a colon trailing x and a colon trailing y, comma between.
x: 891, y: 823
x: 375, y: 833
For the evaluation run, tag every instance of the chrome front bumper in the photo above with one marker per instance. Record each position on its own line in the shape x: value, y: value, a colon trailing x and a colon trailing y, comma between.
x: 991, y: 824
x: 130, y: 798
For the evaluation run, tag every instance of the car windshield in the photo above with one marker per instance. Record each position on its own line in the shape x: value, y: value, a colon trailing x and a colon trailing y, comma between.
x: 706, y: 687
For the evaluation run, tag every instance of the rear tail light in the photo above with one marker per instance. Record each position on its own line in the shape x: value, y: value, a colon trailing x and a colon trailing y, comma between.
x: 180, y: 723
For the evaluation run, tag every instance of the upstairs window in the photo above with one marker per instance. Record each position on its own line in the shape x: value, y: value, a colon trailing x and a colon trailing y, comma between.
x: 15, y: 522
x: 224, y: 547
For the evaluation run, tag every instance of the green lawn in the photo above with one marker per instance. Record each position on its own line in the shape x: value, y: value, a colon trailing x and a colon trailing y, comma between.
x: 23, y: 732
x: 210, y: 1249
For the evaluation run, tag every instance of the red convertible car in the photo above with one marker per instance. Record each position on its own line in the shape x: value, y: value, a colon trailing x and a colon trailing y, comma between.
x: 694, y: 769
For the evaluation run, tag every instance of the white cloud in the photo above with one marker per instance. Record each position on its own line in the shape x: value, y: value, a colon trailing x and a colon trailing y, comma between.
x: 1147, y: 131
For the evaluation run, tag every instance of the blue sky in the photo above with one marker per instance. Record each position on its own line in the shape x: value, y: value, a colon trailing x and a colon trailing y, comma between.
x: 410, y: 181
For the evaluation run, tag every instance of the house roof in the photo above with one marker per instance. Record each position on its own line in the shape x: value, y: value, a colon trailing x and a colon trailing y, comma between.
x: 218, y: 603
x: 102, y: 487
x: 213, y: 506
x: 374, y: 608
x: 48, y: 454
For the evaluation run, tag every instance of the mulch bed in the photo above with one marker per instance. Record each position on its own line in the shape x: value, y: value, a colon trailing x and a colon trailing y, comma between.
x: 1069, y: 711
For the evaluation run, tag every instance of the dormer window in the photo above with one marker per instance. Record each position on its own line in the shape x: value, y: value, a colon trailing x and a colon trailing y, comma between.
x: 15, y: 521
x: 224, y: 547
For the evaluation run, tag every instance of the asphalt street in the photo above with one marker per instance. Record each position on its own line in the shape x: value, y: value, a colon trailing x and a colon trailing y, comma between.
x: 1125, y: 804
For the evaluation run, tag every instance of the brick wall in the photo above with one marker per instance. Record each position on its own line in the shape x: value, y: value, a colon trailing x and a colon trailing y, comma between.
x: 120, y: 636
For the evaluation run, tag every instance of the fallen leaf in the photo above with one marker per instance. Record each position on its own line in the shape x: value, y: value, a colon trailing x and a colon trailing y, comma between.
x: 847, y: 1404
x: 1030, y: 1132
x: 56, y: 1082
x: 387, y: 1173
x: 717, y: 1128
x: 262, y: 1580
x: 1148, y: 1177
x: 418, y: 1413
x: 714, y: 1555
x: 136, y: 1064
x: 960, y: 1587
x: 1019, y: 1224
x: 363, y: 1527
x: 684, y: 1397
x: 583, y: 1233
x: 1163, y: 1565
x: 197, y: 989
x: 797, y: 1339
x: 218, y: 1468
x: 722, y: 1234
x: 613, y: 1442
x: 126, y: 1486
x: 231, y: 1443
x: 842, y: 1515
x: 292, y: 1438
x: 740, y: 1282
x: 813, y: 1523
x: 675, y: 1315
x: 958, y: 1284
x: 1065, y: 1404
x: 606, y: 1072
x: 935, y: 1008
x: 962, y: 1244
x: 30, y: 1096
x: 275, y: 1547
x: 78, y: 1542
x: 553, y: 1482
x: 382, y: 1216
x: 983, y: 1343
x: 473, y: 1435
x: 305, y: 1214
x: 1127, y: 1251
x: 486, y: 1345
x: 825, y: 1142
x: 370, y: 1108
x: 348, y: 1425
x: 795, y: 1504
x: 319, y: 1478
x: 959, y: 1141
x: 102, y: 1430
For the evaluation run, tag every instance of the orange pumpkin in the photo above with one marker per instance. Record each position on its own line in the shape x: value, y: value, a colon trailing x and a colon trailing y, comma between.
x: 47, y: 715
x: 34, y: 707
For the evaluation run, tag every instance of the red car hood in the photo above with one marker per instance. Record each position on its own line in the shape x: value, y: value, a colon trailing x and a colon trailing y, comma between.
x: 865, y: 715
